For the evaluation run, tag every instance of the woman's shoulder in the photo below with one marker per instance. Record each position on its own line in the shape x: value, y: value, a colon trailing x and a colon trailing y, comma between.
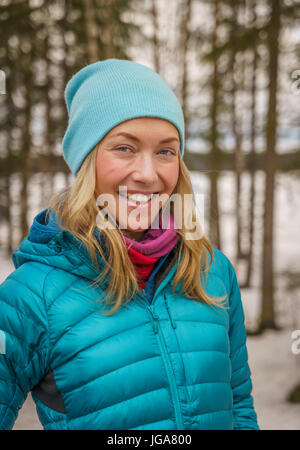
x: 221, y: 262
x: 23, y: 288
x: 222, y: 267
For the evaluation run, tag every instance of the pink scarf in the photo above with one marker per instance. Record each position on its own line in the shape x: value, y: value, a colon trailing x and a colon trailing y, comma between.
x: 155, y: 242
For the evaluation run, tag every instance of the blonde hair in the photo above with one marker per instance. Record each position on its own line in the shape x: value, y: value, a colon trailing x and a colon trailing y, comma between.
x: 77, y: 211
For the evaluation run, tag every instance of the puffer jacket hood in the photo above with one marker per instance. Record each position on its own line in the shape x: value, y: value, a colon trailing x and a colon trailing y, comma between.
x: 48, y: 244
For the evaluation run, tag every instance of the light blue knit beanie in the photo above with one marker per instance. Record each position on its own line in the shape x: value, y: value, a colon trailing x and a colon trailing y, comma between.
x: 106, y: 93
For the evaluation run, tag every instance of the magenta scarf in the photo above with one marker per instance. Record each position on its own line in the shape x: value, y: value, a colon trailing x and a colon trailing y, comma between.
x: 156, y: 242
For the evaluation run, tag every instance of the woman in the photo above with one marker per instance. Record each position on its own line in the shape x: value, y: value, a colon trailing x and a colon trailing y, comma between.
x: 110, y: 322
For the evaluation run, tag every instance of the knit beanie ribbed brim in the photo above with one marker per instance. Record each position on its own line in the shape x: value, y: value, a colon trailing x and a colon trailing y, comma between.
x: 106, y: 93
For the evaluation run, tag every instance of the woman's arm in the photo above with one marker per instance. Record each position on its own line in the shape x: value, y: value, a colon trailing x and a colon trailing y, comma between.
x: 245, y: 417
x: 24, y: 339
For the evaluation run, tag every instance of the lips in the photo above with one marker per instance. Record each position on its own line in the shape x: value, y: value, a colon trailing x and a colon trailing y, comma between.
x: 126, y: 192
x: 134, y: 204
x: 141, y: 192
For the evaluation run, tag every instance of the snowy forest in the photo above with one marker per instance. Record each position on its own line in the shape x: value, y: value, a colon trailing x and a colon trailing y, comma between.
x: 235, y: 68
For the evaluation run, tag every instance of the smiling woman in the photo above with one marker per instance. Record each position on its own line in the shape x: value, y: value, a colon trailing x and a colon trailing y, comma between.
x: 143, y: 169
x: 171, y: 351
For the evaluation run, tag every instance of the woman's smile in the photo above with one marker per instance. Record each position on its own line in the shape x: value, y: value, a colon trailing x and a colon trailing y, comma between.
x: 143, y: 178
x: 137, y: 200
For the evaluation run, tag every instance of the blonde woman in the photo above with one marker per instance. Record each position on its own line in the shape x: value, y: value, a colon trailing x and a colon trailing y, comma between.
x: 120, y: 314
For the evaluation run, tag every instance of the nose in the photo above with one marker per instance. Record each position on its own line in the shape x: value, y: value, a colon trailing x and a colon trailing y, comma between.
x: 144, y: 170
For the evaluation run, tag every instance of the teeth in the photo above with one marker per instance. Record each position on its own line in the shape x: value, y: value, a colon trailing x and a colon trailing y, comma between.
x: 141, y: 198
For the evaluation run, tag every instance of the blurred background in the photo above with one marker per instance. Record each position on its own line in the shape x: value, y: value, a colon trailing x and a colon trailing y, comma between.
x: 235, y: 67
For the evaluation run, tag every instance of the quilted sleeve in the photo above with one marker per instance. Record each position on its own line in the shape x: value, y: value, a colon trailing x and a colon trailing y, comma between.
x: 24, y: 340
x: 245, y: 417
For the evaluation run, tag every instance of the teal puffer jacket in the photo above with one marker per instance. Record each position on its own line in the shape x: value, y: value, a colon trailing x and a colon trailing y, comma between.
x: 161, y: 362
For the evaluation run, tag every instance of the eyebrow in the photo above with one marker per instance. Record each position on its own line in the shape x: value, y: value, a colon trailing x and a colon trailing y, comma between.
x: 134, y: 138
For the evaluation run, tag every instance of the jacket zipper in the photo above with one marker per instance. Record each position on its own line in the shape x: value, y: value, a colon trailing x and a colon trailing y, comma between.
x: 157, y: 330
x: 174, y: 326
x: 168, y: 309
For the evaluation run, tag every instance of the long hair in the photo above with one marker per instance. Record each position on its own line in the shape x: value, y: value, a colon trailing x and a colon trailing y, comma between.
x: 77, y: 211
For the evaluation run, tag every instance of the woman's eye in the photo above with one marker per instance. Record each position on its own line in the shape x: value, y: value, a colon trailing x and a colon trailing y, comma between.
x: 123, y: 146
x: 123, y: 149
x: 170, y: 152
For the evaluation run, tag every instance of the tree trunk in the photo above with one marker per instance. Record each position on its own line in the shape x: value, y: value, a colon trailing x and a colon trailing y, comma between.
x: 267, y: 319
x: 65, y: 27
x: 155, y: 39
x: 46, y: 183
x: 184, y: 45
x: 238, y: 160
x: 252, y: 153
x: 91, y: 31
x: 214, y: 225
x: 110, y: 26
x: 8, y: 165
x: 25, y: 152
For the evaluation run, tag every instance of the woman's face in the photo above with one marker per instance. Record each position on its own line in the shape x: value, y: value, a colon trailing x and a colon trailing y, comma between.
x: 142, y: 156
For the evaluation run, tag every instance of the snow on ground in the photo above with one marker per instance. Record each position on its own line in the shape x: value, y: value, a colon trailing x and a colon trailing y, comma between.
x: 275, y: 368
x: 275, y: 371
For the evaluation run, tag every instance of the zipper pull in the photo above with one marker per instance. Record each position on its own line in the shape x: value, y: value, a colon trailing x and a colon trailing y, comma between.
x: 155, y: 324
x: 154, y: 320
x: 169, y: 313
